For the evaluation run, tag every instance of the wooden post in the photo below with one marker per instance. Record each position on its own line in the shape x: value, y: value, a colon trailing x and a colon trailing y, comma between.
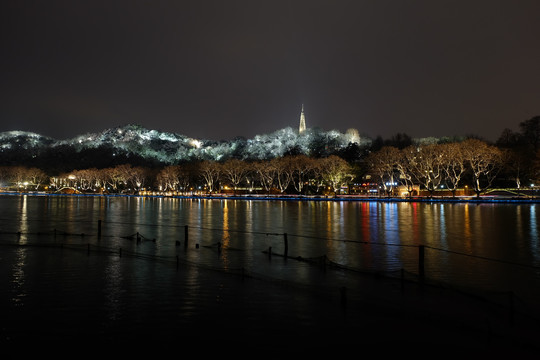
x: 185, y: 236
x: 99, y: 228
x: 421, y: 262
x: 286, y: 245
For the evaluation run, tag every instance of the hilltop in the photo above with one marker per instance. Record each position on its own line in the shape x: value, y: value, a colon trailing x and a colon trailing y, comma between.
x: 141, y: 146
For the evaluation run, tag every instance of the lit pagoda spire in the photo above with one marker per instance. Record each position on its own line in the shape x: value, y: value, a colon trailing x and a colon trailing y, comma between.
x: 302, y: 127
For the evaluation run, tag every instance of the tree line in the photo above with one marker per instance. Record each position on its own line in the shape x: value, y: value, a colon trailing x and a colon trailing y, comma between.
x: 288, y: 174
x: 514, y: 159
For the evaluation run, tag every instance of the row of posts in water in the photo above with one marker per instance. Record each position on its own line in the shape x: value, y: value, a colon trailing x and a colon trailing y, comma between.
x: 421, y: 249
x: 421, y: 262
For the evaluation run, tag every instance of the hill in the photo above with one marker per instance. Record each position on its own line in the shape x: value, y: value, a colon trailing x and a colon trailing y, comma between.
x: 137, y: 145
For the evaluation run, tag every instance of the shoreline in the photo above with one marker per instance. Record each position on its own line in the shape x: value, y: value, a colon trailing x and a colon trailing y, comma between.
x: 359, y: 198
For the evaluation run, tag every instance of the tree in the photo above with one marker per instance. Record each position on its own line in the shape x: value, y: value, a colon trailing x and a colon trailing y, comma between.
x: 484, y: 162
x: 335, y: 171
x: 139, y: 177
x: 351, y: 153
x: 382, y: 164
x: 210, y: 171
x: 118, y: 175
x: 530, y: 130
x: 235, y: 172
x: 17, y: 175
x: 508, y: 138
x: 36, y: 177
x: 168, y: 178
x: 266, y: 173
x: 405, y: 167
x: 299, y: 169
x: 283, y: 175
x: 81, y: 179
x: 399, y: 140
x: 453, y: 163
x: 428, y: 168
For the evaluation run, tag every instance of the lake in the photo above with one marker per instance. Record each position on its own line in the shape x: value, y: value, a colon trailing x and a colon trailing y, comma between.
x: 117, y: 266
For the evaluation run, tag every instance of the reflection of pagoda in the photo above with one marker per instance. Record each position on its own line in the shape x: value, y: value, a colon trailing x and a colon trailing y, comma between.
x: 302, y: 126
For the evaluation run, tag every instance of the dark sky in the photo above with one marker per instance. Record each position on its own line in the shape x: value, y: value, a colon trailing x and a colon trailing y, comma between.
x: 221, y: 69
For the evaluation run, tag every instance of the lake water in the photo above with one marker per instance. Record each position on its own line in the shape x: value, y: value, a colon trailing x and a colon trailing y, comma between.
x: 117, y: 267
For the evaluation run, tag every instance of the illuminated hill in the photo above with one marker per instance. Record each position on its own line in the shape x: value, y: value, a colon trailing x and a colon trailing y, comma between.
x: 138, y: 145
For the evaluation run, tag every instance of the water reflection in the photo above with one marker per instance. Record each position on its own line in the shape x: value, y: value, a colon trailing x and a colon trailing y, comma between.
x: 382, y: 234
x: 442, y: 226
x: 533, y: 226
x: 18, y: 269
x: 23, y: 220
x: 113, y: 288
x: 19, y: 277
x: 467, y: 234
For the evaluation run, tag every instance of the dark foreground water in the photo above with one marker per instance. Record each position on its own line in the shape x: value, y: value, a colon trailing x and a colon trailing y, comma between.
x: 117, y: 274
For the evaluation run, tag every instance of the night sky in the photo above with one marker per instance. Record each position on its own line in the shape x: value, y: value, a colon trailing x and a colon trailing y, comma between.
x: 221, y: 69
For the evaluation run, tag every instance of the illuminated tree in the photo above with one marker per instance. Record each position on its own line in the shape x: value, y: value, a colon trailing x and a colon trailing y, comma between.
x: 405, y: 167
x: 168, y: 178
x: 101, y: 176
x: 382, y: 164
x: 335, y: 171
x: 266, y: 173
x: 17, y: 175
x: 36, y: 177
x: 210, y: 171
x: 484, y: 161
x: 118, y: 175
x: 427, y: 166
x: 139, y: 177
x: 299, y: 168
x: 235, y: 172
x: 81, y: 179
x: 453, y: 163
x: 283, y: 175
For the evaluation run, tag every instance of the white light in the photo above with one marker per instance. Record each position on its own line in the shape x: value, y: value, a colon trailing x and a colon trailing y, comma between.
x: 195, y: 143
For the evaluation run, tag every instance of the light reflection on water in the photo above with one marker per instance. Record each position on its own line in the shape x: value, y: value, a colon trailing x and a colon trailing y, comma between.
x: 314, y: 228
x: 374, y: 236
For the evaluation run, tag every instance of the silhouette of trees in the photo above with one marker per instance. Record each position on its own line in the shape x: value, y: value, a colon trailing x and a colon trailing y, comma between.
x: 530, y: 131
